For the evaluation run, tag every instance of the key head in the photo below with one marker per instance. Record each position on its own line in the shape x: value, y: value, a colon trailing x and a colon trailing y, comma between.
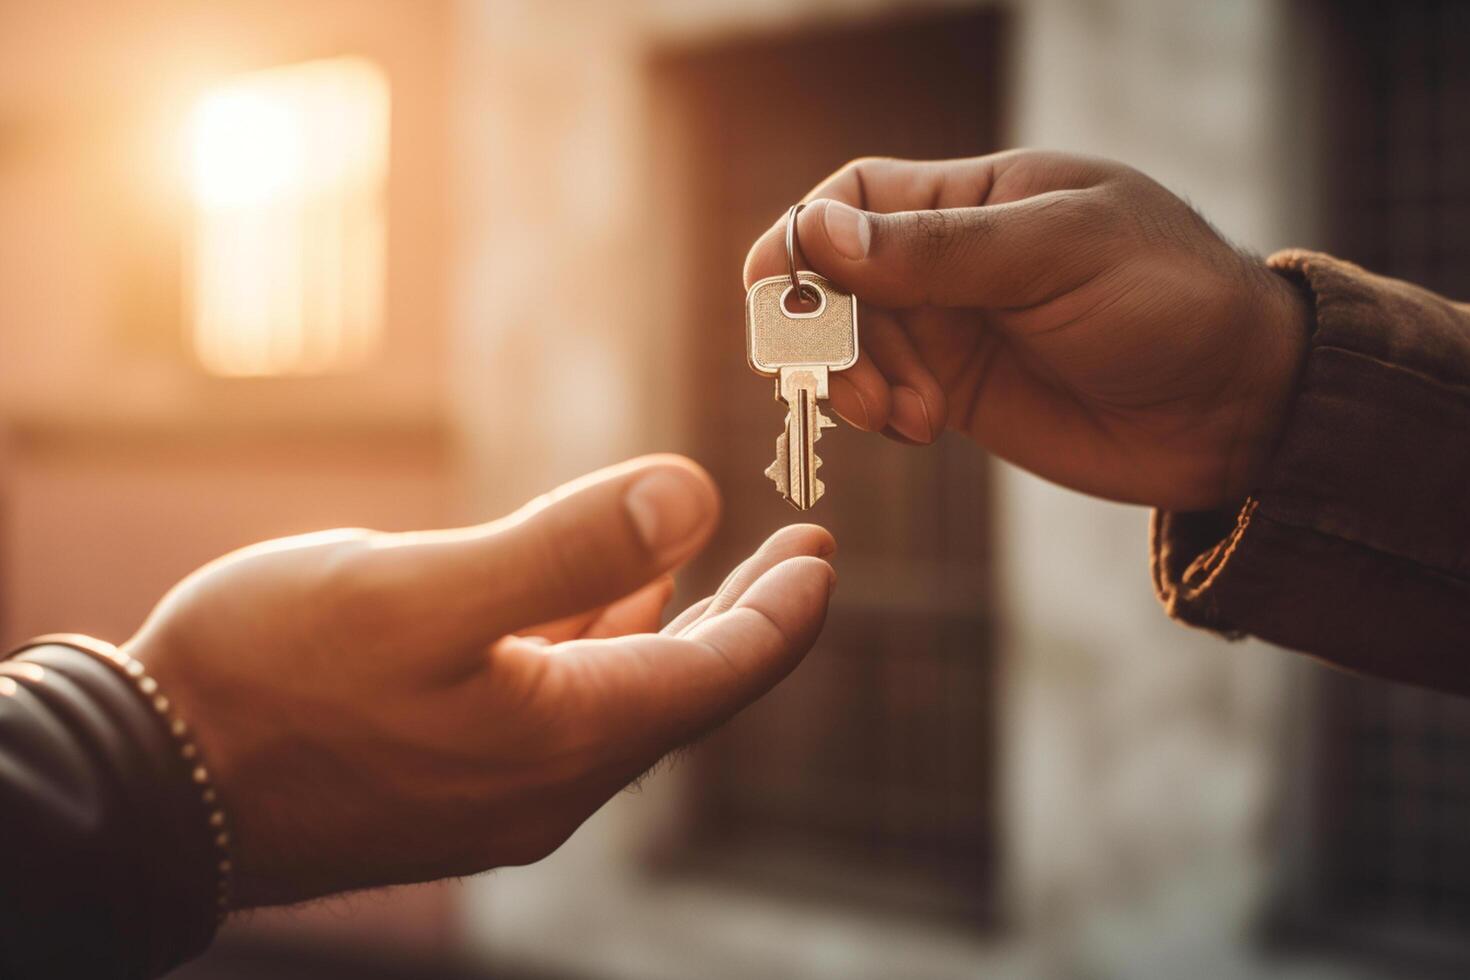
x: 777, y: 338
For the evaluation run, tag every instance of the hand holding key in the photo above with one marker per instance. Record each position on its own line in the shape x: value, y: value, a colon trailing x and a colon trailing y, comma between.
x: 1068, y: 313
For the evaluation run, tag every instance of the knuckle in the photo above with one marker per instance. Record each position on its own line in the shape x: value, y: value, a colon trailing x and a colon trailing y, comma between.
x: 853, y: 180
x: 1128, y: 180
x: 866, y: 163
x: 1156, y: 218
x: 936, y: 235
x: 340, y: 571
x: 1095, y: 231
x: 1083, y: 215
x: 949, y: 238
x: 352, y: 588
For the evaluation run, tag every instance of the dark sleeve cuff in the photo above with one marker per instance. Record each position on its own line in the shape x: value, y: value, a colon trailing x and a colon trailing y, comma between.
x: 1356, y: 545
x: 111, y: 862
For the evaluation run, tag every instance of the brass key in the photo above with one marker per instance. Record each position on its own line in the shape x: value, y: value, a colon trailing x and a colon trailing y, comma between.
x: 800, y: 349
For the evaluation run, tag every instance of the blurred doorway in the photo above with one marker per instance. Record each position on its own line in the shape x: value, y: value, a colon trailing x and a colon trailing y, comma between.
x: 870, y: 773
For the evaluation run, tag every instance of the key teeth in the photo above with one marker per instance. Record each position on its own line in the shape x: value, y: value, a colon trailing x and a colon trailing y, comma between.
x: 779, y: 472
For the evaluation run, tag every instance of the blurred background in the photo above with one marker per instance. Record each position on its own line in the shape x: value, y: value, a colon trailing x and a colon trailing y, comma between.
x: 270, y: 266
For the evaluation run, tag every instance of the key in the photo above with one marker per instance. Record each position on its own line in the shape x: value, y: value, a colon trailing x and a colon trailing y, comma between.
x: 800, y: 350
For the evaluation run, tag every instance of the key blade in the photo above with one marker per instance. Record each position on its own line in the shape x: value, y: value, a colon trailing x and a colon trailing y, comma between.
x: 784, y: 470
x: 803, y: 429
x: 801, y: 388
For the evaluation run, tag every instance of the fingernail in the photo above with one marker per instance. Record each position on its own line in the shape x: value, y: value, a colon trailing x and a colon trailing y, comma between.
x: 910, y: 417
x: 848, y: 230
x: 666, y: 506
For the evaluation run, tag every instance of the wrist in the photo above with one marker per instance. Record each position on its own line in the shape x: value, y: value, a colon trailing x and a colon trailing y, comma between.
x: 1271, y: 369
x: 200, y: 696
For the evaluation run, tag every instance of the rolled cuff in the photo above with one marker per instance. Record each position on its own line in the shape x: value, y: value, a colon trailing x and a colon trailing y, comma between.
x: 1356, y: 545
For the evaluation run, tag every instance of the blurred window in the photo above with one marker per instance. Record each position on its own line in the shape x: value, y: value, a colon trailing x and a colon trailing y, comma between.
x: 288, y: 172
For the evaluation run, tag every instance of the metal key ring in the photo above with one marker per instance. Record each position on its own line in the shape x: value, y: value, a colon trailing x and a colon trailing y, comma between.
x: 803, y: 291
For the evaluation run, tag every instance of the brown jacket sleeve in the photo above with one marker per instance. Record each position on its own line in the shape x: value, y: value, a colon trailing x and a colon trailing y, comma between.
x: 1356, y: 547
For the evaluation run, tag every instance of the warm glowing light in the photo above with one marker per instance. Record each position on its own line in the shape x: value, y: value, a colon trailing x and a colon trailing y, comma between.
x: 288, y: 171
x: 247, y: 149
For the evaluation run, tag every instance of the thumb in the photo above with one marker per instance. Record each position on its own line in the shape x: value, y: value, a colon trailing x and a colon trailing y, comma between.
x: 580, y: 547
x: 1001, y: 255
